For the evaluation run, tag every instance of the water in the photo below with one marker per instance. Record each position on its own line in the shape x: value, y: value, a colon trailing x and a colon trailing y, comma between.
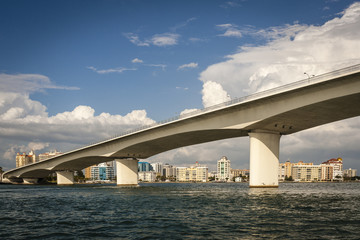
x: 181, y: 211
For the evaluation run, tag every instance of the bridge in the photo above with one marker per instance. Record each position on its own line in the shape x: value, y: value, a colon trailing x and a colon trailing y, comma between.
x: 264, y: 117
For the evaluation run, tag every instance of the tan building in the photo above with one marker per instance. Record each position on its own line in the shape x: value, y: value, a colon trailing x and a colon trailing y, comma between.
x: 239, y: 172
x: 285, y: 169
x: 306, y: 173
x: 24, y: 159
x: 195, y: 173
x: 88, y: 172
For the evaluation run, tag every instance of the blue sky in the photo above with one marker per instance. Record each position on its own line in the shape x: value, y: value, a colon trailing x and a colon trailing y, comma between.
x: 110, y: 58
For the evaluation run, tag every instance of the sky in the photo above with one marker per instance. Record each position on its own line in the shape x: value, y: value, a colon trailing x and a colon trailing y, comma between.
x: 76, y: 72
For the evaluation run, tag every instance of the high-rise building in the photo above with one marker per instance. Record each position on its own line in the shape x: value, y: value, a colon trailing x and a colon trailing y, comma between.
x: 223, y: 170
x: 158, y: 168
x: 102, y: 172
x: 169, y: 170
x: 47, y: 155
x: 144, y: 167
x: 24, y: 159
x: 332, y: 169
x: 349, y: 172
x: 88, y: 172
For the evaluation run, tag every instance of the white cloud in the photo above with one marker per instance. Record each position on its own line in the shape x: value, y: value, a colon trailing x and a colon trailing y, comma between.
x: 133, y: 38
x: 160, y: 40
x: 290, y: 51
x: 213, y: 93
x: 165, y: 39
x: 28, y: 83
x: 230, y: 30
x: 137, y: 60
x: 111, y: 70
x: 25, y: 124
x: 189, y: 65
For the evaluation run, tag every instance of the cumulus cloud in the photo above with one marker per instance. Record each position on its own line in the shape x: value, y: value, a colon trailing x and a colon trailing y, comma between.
x: 188, y: 65
x: 289, y: 51
x: 25, y: 124
x: 213, y: 93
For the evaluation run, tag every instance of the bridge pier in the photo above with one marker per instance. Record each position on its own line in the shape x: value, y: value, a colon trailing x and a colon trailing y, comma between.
x: 127, y: 172
x: 65, y: 177
x: 30, y: 180
x: 264, y: 159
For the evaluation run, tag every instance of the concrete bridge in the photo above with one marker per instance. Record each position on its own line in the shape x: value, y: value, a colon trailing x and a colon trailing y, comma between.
x: 264, y: 117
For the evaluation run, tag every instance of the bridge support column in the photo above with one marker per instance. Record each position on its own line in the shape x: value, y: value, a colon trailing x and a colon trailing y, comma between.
x: 127, y: 172
x: 30, y: 180
x: 65, y: 177
x: 264, y: 159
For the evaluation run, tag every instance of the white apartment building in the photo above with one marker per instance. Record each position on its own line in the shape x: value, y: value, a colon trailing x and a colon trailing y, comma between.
x: 149, y: 176
x: 223, y: 170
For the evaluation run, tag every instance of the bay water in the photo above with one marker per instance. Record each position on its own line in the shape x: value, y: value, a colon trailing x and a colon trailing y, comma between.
x: 180, y: 211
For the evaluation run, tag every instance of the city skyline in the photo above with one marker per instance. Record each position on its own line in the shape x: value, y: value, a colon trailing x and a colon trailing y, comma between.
x: 74, y: 73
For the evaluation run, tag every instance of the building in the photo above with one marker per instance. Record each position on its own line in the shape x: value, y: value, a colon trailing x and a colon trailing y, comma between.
x: 332, y: 169
x: 306, y: 173
x: 147, y: 176
x: 196, y: 173
x: 158, y: 168
x: 169, y: 170
x: 239, y: 172
x: 144, y: 167
x: 88, y: 172
x: 24, y: 159
x: 285, y: 169
x: 223, y: 170
x: 349, y: 173
x: 102, y: 172
x: 47, y: 155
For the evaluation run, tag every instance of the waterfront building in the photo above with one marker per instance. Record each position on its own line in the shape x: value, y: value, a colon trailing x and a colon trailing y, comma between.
x: 332, y: 169
x: 196, y: 173
x: 158, y: 168
x: 24, y: 159
x: 47, y: 155
x: 239, y: 172
x: 102, y: 172
x: 349, y: 172
x: 147, y: 176
x: 169, y: 170
x: 285, y: 169
x: 88, y: 172
x: 223, y: 170
x: 144, y: 167
x: 306, y: 173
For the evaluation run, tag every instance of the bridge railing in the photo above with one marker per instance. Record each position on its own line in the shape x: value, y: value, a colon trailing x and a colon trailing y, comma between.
x: 302, y: 83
